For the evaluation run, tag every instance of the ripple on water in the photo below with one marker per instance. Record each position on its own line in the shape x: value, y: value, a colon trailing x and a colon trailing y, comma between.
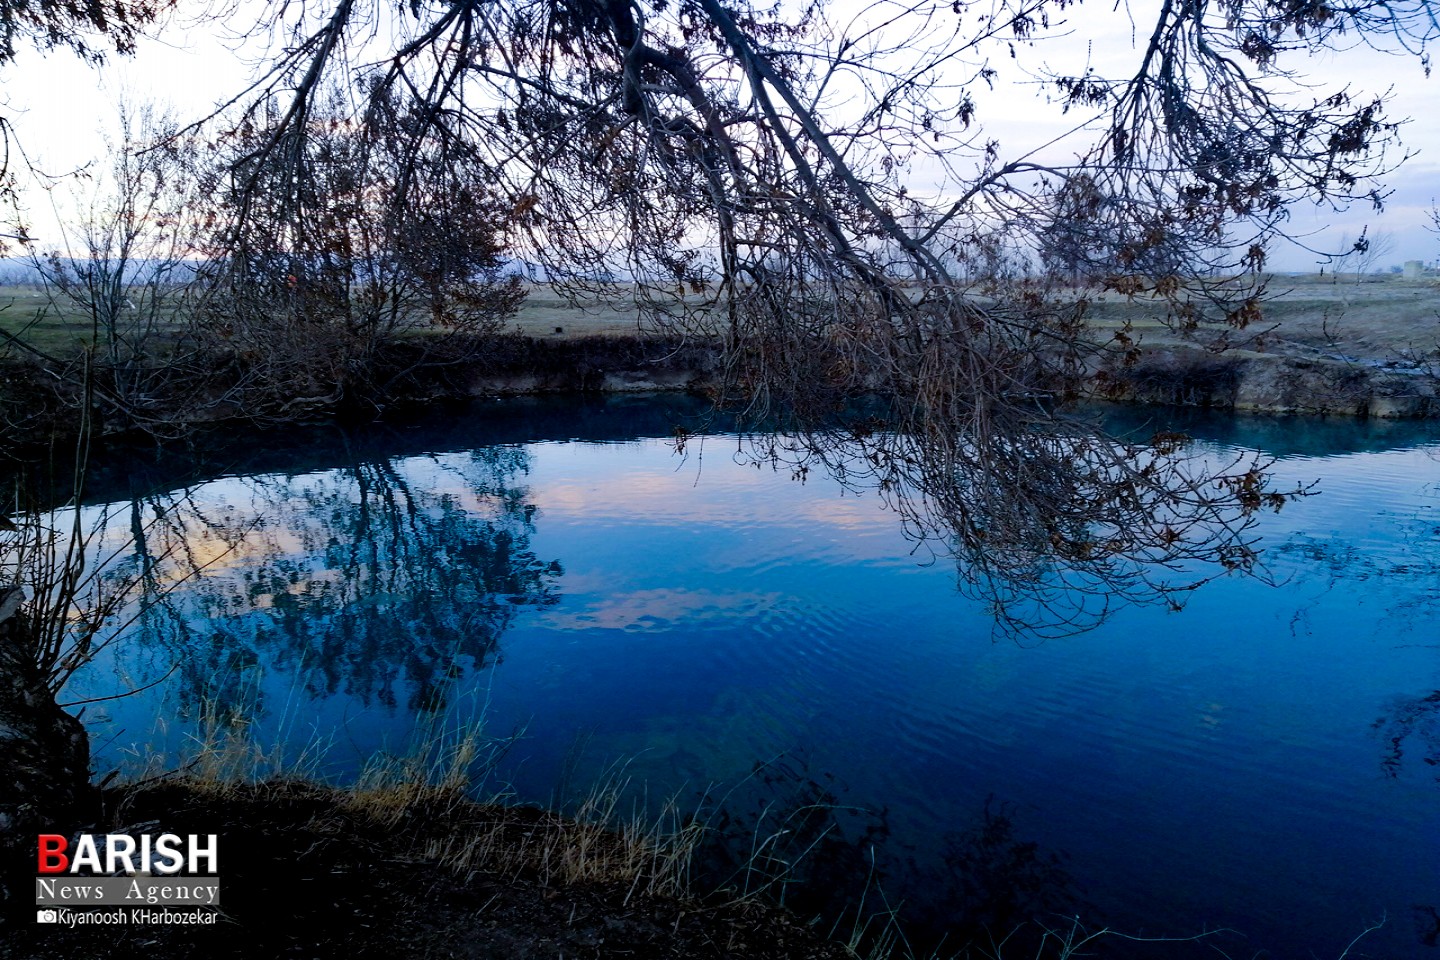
x: 1212, y: 767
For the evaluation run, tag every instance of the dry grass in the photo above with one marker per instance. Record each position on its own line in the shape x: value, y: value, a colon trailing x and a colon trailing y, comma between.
x: 544, y: 310
x: 607, y: 839
x: 419, y: 802
x: 439, y: 768
x: 54, y: 325
x: 222, y: 756
x: 44, y: 320
x: 1369, y: 318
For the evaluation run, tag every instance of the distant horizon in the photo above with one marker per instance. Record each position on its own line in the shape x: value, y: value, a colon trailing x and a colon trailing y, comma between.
x: 15, y: 271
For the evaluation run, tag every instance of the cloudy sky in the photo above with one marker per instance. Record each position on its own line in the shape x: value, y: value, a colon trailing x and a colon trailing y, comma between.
x: 61, y: 109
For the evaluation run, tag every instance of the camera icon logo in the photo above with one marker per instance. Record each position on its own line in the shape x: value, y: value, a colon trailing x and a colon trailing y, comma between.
x: 46, y: 916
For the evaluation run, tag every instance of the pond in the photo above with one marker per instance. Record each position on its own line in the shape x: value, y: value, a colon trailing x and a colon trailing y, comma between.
x: 1262, y: 761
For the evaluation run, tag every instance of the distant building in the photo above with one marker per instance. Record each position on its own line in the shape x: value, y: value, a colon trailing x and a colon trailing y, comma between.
x: 1414, y: 269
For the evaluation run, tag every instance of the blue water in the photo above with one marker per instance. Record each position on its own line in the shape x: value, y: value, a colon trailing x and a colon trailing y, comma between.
x: 615, y: 604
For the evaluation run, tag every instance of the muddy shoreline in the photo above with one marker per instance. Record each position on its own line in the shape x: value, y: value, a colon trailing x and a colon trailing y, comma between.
x: 1305, y: 382
x: 1241, y: 380
x: 313, y: 871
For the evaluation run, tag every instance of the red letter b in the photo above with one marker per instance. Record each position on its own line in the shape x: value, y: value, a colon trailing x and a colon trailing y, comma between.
x: 52, y: 853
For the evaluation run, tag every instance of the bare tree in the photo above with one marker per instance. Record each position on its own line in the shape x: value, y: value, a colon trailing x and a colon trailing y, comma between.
x: 350, y: 257
x: 123, y: 267
x: 1362, y: 257
x: 1379, y: 248
x: 88, y: 30
x: 706, y: 143
x: 747, y: 170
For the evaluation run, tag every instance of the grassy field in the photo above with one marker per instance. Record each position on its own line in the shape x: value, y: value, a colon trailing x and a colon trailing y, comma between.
x: 1371, y: 318
x: 53, y: 327
x: 56, y: 326
x: 544, y: 310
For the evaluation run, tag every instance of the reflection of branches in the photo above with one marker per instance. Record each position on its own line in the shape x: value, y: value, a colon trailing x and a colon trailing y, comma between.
x: 355, y: 581
x: 788, y: 836
x: 996, y: 881
x: 1416, y: 720
x: 87, y: 581
x: 807, y: 190
x: 64, y: 599
x: 1051, y: 527
x: 1427, y: 924
x: 787, y: 832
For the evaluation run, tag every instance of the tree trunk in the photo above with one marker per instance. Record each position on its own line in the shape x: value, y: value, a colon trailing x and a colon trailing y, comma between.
x: 44, y: 760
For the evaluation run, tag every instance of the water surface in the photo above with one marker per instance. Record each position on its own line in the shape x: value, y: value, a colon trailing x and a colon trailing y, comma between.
x: 1261, y: 760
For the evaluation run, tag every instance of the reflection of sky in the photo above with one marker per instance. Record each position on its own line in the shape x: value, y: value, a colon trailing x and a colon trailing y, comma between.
x: 1362, y: 500
x: 1183, y: 755
x: 1212, y: 766
x: 657, y: 609
x: 597, y: 483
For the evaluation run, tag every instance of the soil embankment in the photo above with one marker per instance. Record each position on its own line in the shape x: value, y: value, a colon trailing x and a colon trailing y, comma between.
x: 1175, y: 374
x: 1280, y: 382
x: 1364, y: 347
x: 309, y: 871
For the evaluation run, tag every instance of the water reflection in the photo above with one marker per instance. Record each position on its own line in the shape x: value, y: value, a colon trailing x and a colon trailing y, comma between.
x: 1412, y: 725
x: 798, y: 835
x: 1051, y: 527
x: 1213, y: 767
x: 995, y: 881
x: 384, y: 582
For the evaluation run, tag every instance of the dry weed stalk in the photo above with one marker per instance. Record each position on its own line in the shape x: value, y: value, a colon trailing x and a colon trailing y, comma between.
x: 439, y: 768
x: 601, y: 842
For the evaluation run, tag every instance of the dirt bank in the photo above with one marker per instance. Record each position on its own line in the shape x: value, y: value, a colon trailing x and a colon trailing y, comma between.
x: 1347, y: 346
x: 1354, y: 348
x: 307, y: 871
x: 1290, y: 378
x: 1245, y: 380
